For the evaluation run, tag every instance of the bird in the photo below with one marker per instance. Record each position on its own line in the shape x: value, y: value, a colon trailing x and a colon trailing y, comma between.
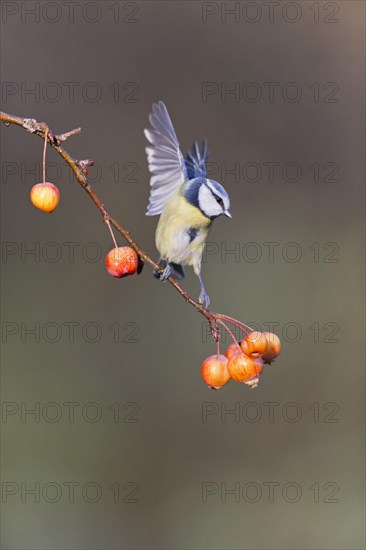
x: 185, y: 198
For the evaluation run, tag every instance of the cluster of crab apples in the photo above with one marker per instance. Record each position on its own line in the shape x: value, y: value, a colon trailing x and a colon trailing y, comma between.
x: 243, y: 361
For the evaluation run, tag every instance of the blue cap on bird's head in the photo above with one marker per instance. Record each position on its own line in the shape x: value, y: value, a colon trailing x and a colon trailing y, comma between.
x: 220, y: 193
x: 209, y: 196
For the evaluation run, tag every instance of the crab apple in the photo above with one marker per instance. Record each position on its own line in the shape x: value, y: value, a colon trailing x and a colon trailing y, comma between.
x: 121, y: 261
x: 245, y: 369
x: 273, y: 348
x: 253, y: 382
x: 233, y: 348
x: 214, y: 371
x: 254, y: 344
x: 45, y: 196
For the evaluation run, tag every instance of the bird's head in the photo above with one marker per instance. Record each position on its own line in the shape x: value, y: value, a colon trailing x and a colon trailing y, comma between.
x: 209, y: 196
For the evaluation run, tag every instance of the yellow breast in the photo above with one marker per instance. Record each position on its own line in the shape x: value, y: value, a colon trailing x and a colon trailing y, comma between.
x: 171, y: 236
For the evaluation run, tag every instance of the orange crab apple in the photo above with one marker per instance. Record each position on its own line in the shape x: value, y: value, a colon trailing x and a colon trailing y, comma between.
x: 253, y: 382
x: 214, y: 371
x: 273, y: 348
x: 233, y: 348
x: 121, y: 261
x: 45, y: 196
x: 245, y: 369
x: 254, y: 344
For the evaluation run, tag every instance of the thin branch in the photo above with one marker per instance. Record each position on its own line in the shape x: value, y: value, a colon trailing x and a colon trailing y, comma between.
x: 80, y: 171
x: 66, y: 135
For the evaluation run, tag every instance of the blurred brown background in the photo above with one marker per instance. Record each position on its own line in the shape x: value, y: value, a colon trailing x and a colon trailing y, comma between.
x: 121, y: 411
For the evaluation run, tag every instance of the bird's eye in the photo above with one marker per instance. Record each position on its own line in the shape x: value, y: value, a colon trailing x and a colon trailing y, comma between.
x: 219, y: 200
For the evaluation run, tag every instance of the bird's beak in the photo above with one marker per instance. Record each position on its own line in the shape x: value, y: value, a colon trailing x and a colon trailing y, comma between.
x: 228, y: 213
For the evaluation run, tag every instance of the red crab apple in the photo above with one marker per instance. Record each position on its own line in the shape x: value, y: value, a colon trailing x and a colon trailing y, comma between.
x: 45, y: 196
x: 214, y: 371
x: 121, y: 261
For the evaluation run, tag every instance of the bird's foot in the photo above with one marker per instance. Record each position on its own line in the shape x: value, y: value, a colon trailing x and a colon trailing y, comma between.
x: 204, y: 299
x: 166, y: 273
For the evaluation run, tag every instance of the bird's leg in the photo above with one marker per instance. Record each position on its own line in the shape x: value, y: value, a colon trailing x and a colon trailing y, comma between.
x: 203, y: 299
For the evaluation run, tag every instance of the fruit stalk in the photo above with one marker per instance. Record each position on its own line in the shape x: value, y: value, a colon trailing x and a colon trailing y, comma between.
x: 44, y: 154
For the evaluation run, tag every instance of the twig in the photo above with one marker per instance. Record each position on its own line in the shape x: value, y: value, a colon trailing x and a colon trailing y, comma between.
x: 66, y: 135
x: 80, y: 171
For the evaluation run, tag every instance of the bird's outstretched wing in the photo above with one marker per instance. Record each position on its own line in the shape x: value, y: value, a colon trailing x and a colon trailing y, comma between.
x: 166, y: 162
x: 196, y: 161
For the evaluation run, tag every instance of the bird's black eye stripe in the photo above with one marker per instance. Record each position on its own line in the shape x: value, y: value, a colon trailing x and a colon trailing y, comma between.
x: 219, y: 199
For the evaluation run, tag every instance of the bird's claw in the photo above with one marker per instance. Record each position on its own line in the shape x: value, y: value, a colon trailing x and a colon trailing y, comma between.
x: 166, y: 273
x: 204, y: 299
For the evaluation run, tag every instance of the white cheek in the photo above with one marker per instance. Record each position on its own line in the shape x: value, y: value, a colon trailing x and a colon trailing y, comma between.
x: 204, y: 195
x: 216, y: 209
x: 207, y: 202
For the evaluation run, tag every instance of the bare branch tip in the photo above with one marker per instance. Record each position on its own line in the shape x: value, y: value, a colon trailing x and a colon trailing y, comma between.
x: 66, y: 135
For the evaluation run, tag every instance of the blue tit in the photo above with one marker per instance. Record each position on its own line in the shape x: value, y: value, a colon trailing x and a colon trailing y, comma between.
x: 185, y: 198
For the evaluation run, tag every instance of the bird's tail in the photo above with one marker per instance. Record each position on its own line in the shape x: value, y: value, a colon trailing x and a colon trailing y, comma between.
x: 177, y: 270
